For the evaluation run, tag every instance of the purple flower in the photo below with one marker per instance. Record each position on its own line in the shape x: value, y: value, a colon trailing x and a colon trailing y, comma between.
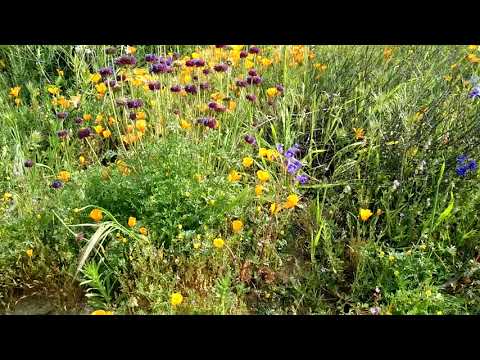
x: 78, y: 120
x: 190, y: 63
x: 191, y: 89
x: 212, y: 123
x: 204, y: 86
x: 252, y: 72
x: 251, y: 97
x: 176, y: 88
x: 280, y: 148
x: 160, y: 68
x: 212, y: 105
x: 121, y: 77
x: 106, y: 71
x: 199, y: 62
x: 293, y: 165
x: 302, y: 179
x: 243, y: 54
x: 280, y: 88
x: 126, y: 60
x: 134, y: 104
x: 62, y: 115
x: 132, y: 116
x: 154, y: 85
x: 28, y: 163
x: 220, y: 46
x: 84, y: 133
x: 151, y: 58
x: 461, y: 159
x: 62, y: 133
x: 255, y: 80
x: 250, y: 139
x: 475, y: 92
x: 241, y: 83
x: 254, y: 50
x: 375, y: 310
x: 206, y: 71
x: 57, y: 184
x: 220, y: 67
x: 472, y: 165
x: 461, y: 171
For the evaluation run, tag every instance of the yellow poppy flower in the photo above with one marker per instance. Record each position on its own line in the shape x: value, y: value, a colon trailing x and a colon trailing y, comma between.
x: 53, y: 90
x: 131, y: 50
x: 143, y: 231
x: 176, y: 299
x: 359, y: 133
x: 275, y: 208
x: 185, y: 124
x: 64, y: 176
x: 218, y: 243
x: 387, y: 53
x: 141, y: 125
x: 132, y: 221
x: 15, y: 91
x: 272, y: 154
x: 365, y: 214
x: 95, y: 78
x: 29, y: 252
x: 292, y: 201
x: 101, y: 312
x: 234, y: 176
x: 96, y: 215
x: 262, y: 152
x: 87, y: 117
x: 272, y: 92
x: 106, y: 133
x: 237, y: 226
x: 258, y: 190
x: 247, y: 162
x: 263, y: 175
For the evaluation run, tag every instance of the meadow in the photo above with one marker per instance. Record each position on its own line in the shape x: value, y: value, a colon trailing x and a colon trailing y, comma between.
x: 240, y: 179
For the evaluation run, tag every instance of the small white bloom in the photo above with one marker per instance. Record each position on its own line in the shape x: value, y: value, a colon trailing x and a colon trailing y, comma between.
x: 396, y: 184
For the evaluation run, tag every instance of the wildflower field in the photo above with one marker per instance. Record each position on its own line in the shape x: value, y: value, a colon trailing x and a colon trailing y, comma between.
x: 240, y: 179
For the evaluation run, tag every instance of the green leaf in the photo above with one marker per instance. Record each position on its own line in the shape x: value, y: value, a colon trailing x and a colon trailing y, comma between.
x: 447, y: 212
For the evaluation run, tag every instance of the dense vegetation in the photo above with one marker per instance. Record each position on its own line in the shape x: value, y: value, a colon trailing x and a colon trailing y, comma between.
x: 240, y: 179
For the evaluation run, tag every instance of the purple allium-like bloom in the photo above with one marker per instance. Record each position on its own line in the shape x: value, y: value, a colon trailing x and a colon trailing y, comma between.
x: 151, y: 58
x: 160, y: 68
x: 461, y: 170
x: 212, y: 123
x: 255, y: 80
x: 252, y: 72
x: 302, y: 179
x: 62, y: 115
x: 243, y: 54
x: 241, y: 83
x: 199, y: 62
x: 121, y: 77
x: 154, y: 85
x: 176, y: 88
x: 204, y: 86
x: 78, y: 120
x: 84, y: 133
x: 206, y: 71
x: 134, y: 104
x: 280, y: 88
x: 126, y: 60
x: 105, y: 71
x: 475, y: 92
x: 250, y: 139
x: 132, y: 116
x: 251, y: 97
x: 190, y: 63
x: 472, y: 165
x: 220, y: 67
x: 191, y: 89
x: 280, y: 148
x: 57, y: 184
x: 62, y: 133
x: 293, y: 165
x: 220, y: 46
x: 212, y: 105
x: 28, y: 163
x: 254, y: 50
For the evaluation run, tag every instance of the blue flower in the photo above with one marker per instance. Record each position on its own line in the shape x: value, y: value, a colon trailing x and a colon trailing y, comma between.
x: 280, y: 148
x: 475, y: 92
x: 472, y: 165
x: 293, y: 165
x: 302, y: 179
x: 461, y: 171
x: 57, y: 184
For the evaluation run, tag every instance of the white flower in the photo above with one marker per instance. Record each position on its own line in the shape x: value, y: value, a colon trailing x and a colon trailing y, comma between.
x: 396, y: 184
